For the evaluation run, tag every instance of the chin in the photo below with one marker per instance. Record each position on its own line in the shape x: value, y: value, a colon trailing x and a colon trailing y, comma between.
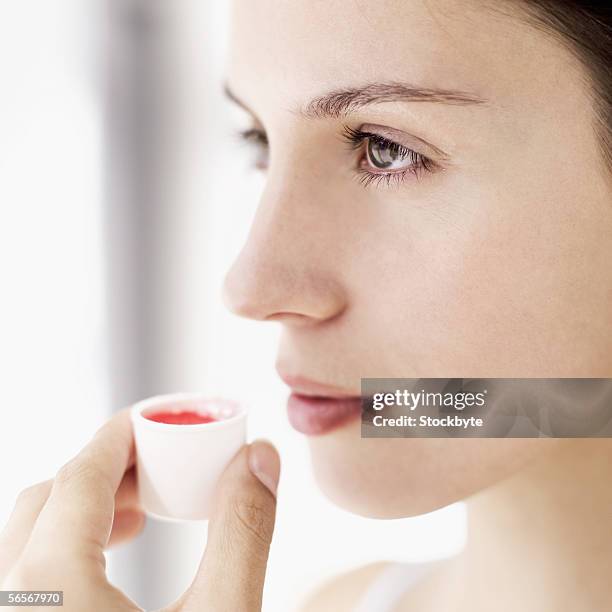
x: 389, y: 478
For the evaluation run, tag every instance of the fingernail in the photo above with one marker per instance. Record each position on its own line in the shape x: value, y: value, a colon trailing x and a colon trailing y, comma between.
x: 265, y: 464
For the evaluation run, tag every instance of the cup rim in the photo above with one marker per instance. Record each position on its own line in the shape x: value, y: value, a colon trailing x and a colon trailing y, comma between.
x: 138, y: 407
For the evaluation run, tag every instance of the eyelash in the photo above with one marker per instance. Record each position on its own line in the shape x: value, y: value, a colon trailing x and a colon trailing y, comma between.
x: 257, y: 139
x: 419, y: 163
x: 254, y: 135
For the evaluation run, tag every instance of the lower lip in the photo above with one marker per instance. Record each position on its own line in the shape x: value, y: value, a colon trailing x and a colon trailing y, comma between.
x: 184, y: 417
x: 318, y: 415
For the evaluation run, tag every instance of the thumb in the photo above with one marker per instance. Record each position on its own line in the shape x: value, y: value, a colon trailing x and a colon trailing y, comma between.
x: 231, y: 575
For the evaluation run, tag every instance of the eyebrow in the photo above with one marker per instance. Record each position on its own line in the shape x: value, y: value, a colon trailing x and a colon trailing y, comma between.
x: 344, y: 101
x: 341, y: 102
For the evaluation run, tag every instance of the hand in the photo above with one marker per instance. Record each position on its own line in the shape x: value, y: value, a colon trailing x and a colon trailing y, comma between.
x: 56, y: 535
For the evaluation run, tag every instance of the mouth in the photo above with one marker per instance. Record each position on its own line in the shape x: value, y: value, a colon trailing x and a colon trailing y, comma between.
x: 314, y: 416
x: 315, y: 409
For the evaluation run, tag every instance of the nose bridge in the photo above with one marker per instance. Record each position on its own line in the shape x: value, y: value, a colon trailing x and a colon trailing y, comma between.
x: 285, y: 270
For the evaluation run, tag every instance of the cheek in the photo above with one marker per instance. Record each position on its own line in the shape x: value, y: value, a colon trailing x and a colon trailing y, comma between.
x: 529, y: 275
x: 394, y: 478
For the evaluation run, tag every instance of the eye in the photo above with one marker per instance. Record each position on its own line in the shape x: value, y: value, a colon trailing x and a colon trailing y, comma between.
x: 386, y: 155
x: 384, y: 159
x: 257, y: 140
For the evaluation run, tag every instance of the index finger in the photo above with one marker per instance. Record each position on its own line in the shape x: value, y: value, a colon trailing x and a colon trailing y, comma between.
x: 80, y: 508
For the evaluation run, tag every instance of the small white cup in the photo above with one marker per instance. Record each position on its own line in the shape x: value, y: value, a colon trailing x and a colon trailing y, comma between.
x: 178, y: 466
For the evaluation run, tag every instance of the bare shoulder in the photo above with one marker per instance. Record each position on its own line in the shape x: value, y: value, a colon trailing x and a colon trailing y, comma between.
x: 342, y: 592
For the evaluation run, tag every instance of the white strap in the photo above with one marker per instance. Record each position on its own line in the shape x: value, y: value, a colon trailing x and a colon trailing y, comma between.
x: 385, y: 592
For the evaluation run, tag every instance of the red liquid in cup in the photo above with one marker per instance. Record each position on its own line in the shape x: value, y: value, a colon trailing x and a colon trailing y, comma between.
x: 182, y: 417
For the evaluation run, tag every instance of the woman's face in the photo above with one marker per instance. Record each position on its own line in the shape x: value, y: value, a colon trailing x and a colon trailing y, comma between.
x: 435, y: 206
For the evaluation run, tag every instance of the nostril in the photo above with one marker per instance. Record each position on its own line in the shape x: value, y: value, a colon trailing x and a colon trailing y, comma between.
x: 290, y: 318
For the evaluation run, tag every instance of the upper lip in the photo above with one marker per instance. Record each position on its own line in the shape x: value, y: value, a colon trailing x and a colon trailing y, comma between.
x: 305, y: 386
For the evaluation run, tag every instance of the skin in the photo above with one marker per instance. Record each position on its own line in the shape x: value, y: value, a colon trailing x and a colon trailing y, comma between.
x: 57, y: 533
x: 495, y: 265
x: 507, y: 246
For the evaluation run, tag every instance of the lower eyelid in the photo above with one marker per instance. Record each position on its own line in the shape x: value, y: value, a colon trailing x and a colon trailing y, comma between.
x: 368, y: 179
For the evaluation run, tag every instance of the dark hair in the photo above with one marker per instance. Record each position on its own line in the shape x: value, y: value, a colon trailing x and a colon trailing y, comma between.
x: 586, y: 27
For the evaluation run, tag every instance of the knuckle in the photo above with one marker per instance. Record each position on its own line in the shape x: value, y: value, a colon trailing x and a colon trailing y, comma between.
x: 76, y: 471
x: 254, y: 519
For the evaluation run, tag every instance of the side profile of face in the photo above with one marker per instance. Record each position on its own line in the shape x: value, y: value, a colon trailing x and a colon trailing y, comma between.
x: 436, y: 205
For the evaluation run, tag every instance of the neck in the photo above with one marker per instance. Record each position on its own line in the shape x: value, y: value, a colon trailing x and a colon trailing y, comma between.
x: 542, y: 539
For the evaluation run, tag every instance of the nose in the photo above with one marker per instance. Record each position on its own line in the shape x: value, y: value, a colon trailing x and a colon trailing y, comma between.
x: 286, y: 270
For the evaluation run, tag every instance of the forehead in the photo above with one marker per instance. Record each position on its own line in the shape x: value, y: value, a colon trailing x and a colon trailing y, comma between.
x: 287, y: 52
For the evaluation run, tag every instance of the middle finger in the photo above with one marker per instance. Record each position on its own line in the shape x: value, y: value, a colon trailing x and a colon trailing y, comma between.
x: 14, y: 536
x: 30, y: 502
